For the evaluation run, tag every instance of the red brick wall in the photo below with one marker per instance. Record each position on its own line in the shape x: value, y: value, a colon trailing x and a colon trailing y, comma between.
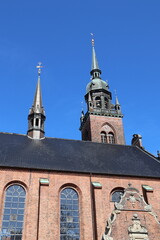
x: 95, y: 124
x: 45, y: 201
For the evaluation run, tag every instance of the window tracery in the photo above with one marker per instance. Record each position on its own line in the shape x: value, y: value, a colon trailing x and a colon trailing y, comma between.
x: 13, y: 213
x: 110, y: 138
x: 103, y: 137
x: 69, y: 217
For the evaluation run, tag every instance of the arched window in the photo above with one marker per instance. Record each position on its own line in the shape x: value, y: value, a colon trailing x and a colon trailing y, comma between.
x: 13, y: 213
x: 110, y: 138
x: 98, y: 102
x: 69, y: 219
x: 117, y: 194
x: 103, y: 137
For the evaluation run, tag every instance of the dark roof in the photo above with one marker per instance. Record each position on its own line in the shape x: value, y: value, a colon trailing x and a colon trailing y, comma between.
x: 19, y: 151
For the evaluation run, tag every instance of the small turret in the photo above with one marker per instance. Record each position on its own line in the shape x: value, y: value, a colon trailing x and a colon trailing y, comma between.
x: 117, y: 106
x: 36, y: 115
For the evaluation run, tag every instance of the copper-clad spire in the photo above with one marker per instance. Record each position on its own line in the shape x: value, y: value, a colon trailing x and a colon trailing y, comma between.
x: 95, y: 70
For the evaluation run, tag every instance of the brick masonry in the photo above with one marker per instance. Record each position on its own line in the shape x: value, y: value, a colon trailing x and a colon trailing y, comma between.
x: 95, y: 124
x: 42, y: 211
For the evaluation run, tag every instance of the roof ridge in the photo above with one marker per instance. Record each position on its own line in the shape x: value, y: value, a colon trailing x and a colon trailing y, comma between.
x: 74, y: 140
x: 148, y: 153
x: 19, y: 134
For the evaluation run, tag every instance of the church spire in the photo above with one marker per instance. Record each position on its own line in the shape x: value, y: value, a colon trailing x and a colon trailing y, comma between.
x: 103, y: 120
x: 117, y: 105
x: 95, y: 70
x: 36, y: 115
x: 37, y: 103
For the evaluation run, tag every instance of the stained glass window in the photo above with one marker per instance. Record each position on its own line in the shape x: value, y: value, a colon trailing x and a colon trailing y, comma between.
x: 13, y: 213
x: 69, y: 219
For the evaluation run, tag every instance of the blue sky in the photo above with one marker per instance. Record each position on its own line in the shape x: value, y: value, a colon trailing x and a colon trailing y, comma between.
x: 57, y: 33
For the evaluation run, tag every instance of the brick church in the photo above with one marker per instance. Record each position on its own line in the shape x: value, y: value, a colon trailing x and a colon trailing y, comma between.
x: 94, y: 189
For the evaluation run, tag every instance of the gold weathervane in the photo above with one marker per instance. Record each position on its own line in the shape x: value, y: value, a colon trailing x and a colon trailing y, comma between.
x: 39, y: 67
x: 92, y: 39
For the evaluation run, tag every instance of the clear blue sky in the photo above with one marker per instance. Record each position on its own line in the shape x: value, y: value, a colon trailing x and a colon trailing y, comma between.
x: 57, y: 33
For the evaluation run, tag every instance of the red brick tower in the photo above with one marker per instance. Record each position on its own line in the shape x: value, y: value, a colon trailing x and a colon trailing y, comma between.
x: 103, y: 120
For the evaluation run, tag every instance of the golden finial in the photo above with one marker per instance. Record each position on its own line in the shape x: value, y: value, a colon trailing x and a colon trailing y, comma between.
x: 92, y: 39
x: 39, y: 67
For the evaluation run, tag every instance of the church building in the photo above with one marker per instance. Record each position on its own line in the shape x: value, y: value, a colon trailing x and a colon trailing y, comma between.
x: 98, y: 188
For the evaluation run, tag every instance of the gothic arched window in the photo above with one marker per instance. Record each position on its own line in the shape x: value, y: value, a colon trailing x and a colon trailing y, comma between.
x: 69, y: 219
x: 103, y: 137
x: 110, y: 138
x: 117, y: 194
x: 13, y: 213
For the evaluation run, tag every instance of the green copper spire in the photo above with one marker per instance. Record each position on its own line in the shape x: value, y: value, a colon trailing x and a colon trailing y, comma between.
x: 94, y: 60
x: 95, y: 70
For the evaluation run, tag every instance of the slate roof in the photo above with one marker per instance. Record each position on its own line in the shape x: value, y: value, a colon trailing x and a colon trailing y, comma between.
x: 19, y: 151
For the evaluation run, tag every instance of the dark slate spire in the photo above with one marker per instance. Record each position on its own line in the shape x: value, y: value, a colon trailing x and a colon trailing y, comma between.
x: 36, y: 115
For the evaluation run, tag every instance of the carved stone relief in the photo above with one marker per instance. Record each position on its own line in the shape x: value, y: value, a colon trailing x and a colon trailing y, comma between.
x: 136, y: 231
x: 131, y: 201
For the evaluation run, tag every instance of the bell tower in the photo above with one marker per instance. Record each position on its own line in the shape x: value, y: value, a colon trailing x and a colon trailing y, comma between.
x: 103, y: 120
x: 36, y: 115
